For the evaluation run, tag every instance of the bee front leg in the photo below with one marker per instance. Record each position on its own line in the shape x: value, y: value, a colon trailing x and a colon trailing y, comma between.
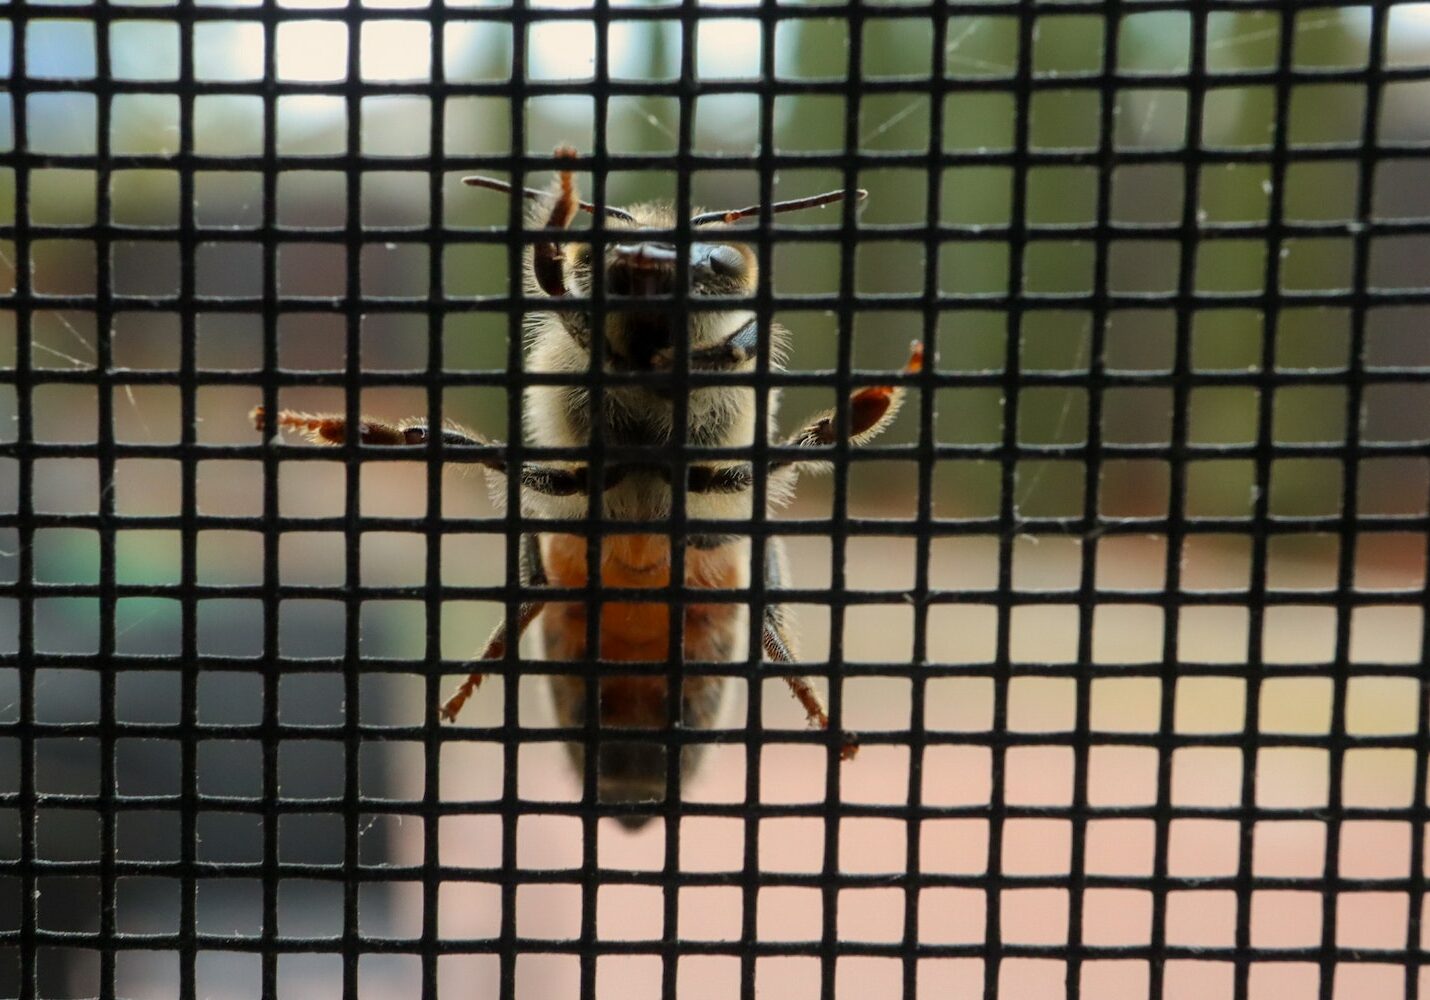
x: 778, y: 642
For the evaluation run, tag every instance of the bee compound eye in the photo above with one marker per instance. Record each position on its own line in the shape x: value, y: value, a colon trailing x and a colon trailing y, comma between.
x: 414, y: 435
x: 725, y: 260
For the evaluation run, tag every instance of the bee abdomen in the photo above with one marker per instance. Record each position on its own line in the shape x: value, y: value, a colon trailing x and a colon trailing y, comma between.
x: 629, y: 769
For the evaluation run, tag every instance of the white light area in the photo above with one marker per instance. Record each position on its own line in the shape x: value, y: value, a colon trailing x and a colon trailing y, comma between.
x: 396, y: 50
x: 727, y: 47
x: 566, y: 50
x: 1408, y: 39
x: 312, y: 51
x: 562, y: 50
x: 316, y: 51
x: 228, y: 51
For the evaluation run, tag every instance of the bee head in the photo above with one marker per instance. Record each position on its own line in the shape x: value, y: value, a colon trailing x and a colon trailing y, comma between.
x: 645, y: 319
x: 644, y: 316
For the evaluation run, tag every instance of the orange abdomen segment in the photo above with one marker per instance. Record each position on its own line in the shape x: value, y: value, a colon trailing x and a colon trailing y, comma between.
x: 639, y: 631
x: 629, y: 769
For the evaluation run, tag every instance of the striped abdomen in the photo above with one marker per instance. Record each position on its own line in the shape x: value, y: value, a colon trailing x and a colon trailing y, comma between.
x: 630, y: 769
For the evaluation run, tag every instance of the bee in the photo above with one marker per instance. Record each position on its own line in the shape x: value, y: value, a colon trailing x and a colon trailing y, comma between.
x: 640, y: 334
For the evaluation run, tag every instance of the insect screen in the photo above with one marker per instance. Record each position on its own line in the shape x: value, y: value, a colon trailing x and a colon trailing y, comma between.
x: 1124, y: 608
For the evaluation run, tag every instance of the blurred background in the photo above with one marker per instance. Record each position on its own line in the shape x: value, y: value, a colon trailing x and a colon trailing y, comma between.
x: 395, y: 128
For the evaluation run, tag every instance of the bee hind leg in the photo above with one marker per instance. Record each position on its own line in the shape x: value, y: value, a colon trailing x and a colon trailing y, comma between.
x: 532, y: 574
x: 495, y: 650
x: 778, y: 643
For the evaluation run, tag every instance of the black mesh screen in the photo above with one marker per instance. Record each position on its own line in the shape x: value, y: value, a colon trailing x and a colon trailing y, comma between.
x: 1127, y: 607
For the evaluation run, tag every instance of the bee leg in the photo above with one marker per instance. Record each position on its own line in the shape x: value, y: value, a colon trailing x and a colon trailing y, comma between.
x: 548, y: 256
x: 332, y: 429
x: 532, y: 574
x: 777, y: 640
x: 731, y: 352
x: 495, y: 650
x: 871, y: 409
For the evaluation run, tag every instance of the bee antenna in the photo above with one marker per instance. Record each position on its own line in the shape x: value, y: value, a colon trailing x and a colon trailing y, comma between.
x: 793, y: 205
x: 534, y: 194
